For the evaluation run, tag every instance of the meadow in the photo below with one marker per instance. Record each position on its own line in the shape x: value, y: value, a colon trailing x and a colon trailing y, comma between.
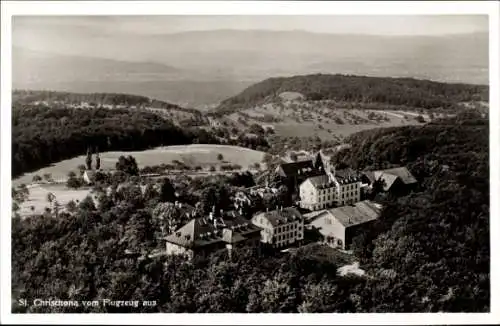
x: 37, y: 200
x: 203, y: 155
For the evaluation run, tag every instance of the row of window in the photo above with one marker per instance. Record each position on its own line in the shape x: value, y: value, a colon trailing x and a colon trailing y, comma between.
x: 327, y: 190
x: 350, y: 194
x: 288, y: 227
x: 285, y: 236
x: 350, y: 186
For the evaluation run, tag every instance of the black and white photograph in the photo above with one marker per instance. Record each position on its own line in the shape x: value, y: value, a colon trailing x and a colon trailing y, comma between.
x: 328, y: 163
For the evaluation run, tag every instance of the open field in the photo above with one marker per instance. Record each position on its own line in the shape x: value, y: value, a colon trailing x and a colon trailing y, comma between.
x: 192, y: 155
x: 305, y: 119
x: 37, y: 200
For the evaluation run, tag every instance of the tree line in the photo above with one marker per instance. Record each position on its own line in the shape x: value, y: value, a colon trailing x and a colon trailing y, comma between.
x: 44, y: 135
x: 437, y: 236
x: 396, y: 91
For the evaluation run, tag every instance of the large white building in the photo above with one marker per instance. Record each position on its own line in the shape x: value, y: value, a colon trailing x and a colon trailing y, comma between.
x: 348, y: 186
x: 317, y: 193
x: 280, y: 227
x: 335, y: 188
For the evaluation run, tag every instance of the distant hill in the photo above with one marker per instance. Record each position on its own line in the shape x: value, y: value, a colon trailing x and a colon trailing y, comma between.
x: 203, y: 68
x: 26, y: 97
x: 34, y: 66
x: 395, y: 91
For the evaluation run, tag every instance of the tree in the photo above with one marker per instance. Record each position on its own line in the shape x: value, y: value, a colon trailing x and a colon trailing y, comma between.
x: 15, y: 207
x: 150, y: 193
x: 51, y: 197
x: 36, y: 178
x: 73, y: 181
x: 48, y: 177
x: 167, y: 191
x: 128, y: 165
x: 420, y: 119
x: 88, y: 160
x: 81, y: 169
x: 215, y: 196
x: 87, y: 204
x: 71, y: 206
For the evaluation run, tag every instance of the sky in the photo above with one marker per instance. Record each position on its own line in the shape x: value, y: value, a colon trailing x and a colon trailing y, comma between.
x: 39, y: 26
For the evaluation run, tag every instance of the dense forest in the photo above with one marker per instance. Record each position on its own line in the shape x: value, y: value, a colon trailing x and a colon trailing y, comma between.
x: 42, y: 135
x: 409, y: 92
x: 429, y: 252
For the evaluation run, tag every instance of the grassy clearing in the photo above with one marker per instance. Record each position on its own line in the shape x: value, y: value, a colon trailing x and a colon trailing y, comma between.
x: 192, y: 155
x: 325, y: 253
x: 37, y: 200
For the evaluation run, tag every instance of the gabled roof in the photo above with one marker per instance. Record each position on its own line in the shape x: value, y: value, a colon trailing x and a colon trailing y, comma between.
x: 320, y: 181
x: 348, y: 216
x: 90, y: 174
x: 199, y: 232
x: 390, y: 176
x: 346, y: 176
x: 403, y: 173
x: 312, y: 216
x: 388, y: 179
x: 370, y: 175
x: 359, y: 213
x: 281, y: 216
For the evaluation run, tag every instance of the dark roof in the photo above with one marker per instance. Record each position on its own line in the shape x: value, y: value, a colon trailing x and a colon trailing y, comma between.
x: 282, y: 216
x: 346, y: 176
x: 297, y: 168
x: 387, y: 178
x: 199, y: 232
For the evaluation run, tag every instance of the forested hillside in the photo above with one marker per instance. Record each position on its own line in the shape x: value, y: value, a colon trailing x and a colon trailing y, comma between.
x: 43, y: 135
x: 435, y: 242
x: 429, y: 252
x: 396, y: 91
x: 26, y: 97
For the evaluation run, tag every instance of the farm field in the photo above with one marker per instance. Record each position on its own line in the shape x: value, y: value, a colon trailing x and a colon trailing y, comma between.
x: 37, y: 200
x: 203, y: 155
x: 301, y: 119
